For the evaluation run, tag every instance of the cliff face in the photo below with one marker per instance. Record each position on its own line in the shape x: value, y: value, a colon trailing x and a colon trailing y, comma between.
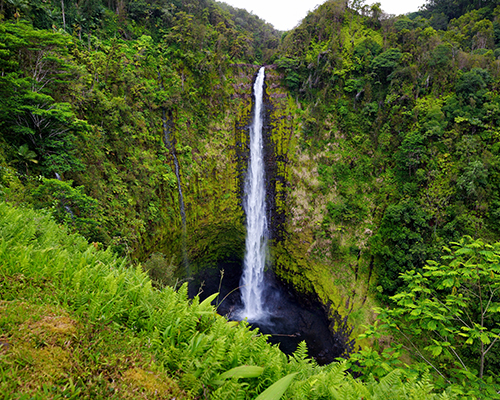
x: 214, y: 195
x: 109, y: 105
x: 277, y: 128
x: 298, y: 256
x: 213, y: 169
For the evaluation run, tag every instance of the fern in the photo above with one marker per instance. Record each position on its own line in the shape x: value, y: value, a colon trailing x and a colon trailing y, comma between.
x: 300, y: 356
x: 351, y: 389
x: 389, y: 385
x: 185, y: 337
x: 420, y: 389
x: 231, y: 390
x: 319, y: 383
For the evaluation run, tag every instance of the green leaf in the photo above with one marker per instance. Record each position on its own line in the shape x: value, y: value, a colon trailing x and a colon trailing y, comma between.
x: 416, y: 312
x: 243, y: 371
x: 484, y: 338
x: 494, y: 309
x: 277, y: 389
x: 432, y: 325
x: 208, y: 300
x: 436, y: 350
x: 448, y: 282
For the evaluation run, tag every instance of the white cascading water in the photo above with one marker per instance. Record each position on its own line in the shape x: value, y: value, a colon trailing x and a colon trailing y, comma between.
x: 252, y: 280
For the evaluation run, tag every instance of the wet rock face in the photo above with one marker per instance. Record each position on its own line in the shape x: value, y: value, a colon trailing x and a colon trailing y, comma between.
x: 224, y: 280
x: 276, y: 132
x: 294, y: 318
x: 274, y: 177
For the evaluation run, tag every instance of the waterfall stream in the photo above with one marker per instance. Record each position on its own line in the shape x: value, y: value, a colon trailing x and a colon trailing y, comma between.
x: 275, y: 310
x: 170, y: 146
x: 252, y: 280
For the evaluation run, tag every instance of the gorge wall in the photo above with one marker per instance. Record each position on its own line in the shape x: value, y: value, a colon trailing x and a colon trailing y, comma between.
x: 120, y: 177
x: 216, y: 227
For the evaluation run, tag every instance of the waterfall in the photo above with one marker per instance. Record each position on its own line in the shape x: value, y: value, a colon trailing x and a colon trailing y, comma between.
x: 252, y: 280
x: 170, y: 146
x: 63, y: 200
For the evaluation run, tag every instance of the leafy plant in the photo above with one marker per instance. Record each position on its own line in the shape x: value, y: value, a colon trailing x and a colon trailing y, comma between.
x: 195, y: 351
x: 447, y: 316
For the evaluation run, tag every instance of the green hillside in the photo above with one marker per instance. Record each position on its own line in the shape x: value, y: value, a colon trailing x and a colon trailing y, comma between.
x: 77, y: 322
x: 398, y: 138
x: 127, y: 122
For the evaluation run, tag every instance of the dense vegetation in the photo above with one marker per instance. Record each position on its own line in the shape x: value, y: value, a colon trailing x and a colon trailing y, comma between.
x: 400, y: 115
x: 88, y: 108
x: 403, y: 120
x: 123, y: 120
x: 77, y: 323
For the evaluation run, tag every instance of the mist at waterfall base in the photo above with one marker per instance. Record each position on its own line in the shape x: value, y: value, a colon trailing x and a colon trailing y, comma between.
x: 291, y: 318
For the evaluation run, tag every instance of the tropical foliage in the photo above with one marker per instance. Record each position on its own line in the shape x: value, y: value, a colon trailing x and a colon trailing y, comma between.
x: 400, y: 117
x: 125, y: 121
x: 60, y: 297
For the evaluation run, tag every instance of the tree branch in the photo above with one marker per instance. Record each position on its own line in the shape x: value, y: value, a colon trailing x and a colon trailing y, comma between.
x: 422, y: 356
x: 454, y: 314
x: 489, y: 301
x: 454, y: 352
x: 491, y: 345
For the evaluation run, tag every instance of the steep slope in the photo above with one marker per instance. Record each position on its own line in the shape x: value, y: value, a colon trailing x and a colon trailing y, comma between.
x: 76, y: 322
x: 129, y: 122
x: 397, y: 149
x: 83, y: 120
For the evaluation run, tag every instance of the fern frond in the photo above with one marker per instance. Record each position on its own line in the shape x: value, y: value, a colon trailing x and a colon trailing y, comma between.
x: 300, y: 355
x: 390, y: 386
x: 350, y: 389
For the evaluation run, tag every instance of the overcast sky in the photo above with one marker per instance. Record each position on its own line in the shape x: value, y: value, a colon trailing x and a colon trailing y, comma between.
x: 286, y: 14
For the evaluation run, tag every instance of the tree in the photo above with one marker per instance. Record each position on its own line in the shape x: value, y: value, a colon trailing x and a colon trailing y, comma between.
x: 35, y: 76
x: 70, y: 205
x: 401, y: 244
x: 384, y: 64
x: 376, y: 12
x: 449, y: 315
x: 473, y: 84
x: 25, y: 156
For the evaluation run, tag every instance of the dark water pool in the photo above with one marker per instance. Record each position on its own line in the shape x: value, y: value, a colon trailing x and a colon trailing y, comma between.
x: 290, y: 319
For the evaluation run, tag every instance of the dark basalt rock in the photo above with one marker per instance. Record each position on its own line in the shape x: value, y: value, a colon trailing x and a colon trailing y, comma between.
x: 224, y: 280
x: 294, y: 320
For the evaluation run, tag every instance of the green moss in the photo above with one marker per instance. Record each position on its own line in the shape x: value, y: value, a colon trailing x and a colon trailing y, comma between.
x: 46, y: 352
x: 291, y: 267
x: 216, y: 242
x: 151, y: 384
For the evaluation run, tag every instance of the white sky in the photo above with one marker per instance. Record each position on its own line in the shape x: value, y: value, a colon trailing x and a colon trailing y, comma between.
x: 286, y: 14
